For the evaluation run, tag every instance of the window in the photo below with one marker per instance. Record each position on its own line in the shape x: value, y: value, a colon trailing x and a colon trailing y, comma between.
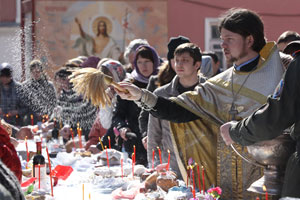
x: 213, y: 41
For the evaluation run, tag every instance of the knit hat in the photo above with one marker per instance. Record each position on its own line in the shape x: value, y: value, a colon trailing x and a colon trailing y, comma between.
x: 5, y: 70
x: 91, y: 61
x: 116, y: 68
x: 174, y: 43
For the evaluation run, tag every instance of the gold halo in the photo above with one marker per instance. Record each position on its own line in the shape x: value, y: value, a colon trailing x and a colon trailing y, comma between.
x: 106, y: 20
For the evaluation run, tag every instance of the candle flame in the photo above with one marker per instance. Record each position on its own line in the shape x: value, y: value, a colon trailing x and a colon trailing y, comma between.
x: 168, y: 151
x: 31, y: 116
x: 264, y: 188
x: 157, y: 147
x: 108, y: 137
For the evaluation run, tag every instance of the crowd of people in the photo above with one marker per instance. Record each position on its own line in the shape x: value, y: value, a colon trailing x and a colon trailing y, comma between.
x: 176, y: 104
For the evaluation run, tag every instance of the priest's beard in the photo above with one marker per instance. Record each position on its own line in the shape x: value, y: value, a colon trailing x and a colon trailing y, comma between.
x: 242, y: 54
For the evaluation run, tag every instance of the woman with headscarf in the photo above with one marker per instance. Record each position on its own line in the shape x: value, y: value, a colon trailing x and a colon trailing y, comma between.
x: 126, y: 113
x: 102, y: 123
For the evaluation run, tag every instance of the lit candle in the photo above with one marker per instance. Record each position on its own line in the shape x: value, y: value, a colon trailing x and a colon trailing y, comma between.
x: 50, y: 171
x: 194, y: 192
x: 89, y: 196
x: 133, y: 164
x: 54, y: 121
x: 101, y: 143
x: 109, y: 145
x: 159, y: 154
x: 43, y: 119
x: 153, y: 154
x: 27, y: 152
x: 168, y: 165
x: 82, y: 191
x: 122, y: 167
x: 31, y: 117
x: 72, y: 134
x: 203, y: 179
x: 198, y: 173
x: 107, y: 157
x: 39, y: 176
x: 266, y: 192
x: 134, y: 153
x: 17, y: 116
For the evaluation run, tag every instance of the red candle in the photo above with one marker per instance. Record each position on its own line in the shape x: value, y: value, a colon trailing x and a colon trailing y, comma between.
x: 168, y: 165
x: 54, y: 121
x: 50, y: 171
x: 203, y: 180
x: 159, y: 154
x: 187, y: 177
x: 133, y: 164
x: 107, y: 157
x: 31, y: 117
x: 194, y: 192
x: 199, y: 181
x: 109, y: 145
x: 134, y: 150
x: 257, y: 198
x: 265, y: 190
x: 153, y: 154
x: 39, y: 176
x: 122, y: 168
x: 27, y: 152
x: 72, y: 134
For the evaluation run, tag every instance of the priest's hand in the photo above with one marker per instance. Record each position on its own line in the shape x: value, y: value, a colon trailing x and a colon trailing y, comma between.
x: 129, y: 91
x: 224, y: 130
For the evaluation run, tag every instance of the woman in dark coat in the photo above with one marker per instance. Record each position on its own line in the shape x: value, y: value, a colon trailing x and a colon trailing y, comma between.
x: 126, y: 113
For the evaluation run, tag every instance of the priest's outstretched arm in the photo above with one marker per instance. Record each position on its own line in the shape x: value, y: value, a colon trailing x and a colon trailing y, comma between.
x: 159, y: 107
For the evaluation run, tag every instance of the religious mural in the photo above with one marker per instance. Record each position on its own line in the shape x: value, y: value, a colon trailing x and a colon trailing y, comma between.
x: 67, y: 29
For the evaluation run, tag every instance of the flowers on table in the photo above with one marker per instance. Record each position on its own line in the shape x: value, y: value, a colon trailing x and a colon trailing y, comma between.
x: 215, y: 193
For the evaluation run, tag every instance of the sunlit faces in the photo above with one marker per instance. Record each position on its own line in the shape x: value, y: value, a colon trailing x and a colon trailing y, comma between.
x: 184, y: 65
x: 145, y: 66
x: 235, y: 46
x: 62, y: 83
x: 5, y: 80
x: 36, y: 73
